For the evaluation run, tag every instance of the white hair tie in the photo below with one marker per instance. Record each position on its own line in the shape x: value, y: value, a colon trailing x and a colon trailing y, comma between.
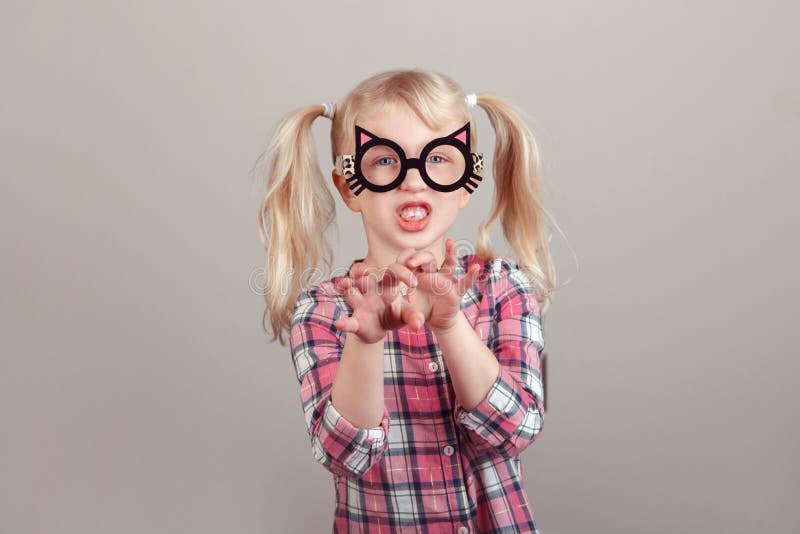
x: 471, y: 99
x: 330, y: 109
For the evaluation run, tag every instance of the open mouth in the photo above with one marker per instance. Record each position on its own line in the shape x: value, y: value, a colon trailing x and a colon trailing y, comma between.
x: 413, y: 216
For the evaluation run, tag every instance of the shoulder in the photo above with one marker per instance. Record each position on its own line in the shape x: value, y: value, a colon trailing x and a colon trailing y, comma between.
x: 318, y: 292
x: 498, y: 276
x: 503, y: 280
x: 493, y: 270
x: 320, y: 300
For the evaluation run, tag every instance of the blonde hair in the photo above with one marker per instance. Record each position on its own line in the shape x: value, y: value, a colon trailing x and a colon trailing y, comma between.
x: 298, y: 207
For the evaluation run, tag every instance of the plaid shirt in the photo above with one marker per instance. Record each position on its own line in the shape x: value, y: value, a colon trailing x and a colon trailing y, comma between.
x: 429, y: 466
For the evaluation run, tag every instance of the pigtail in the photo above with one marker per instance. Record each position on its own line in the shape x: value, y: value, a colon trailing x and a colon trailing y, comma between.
x: 296, y: 212
x: 517, y: 202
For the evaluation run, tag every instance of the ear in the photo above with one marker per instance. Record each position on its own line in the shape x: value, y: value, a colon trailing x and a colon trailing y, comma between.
x: 462, y: 134
x: 465, y: 196
x: 350, y: 200
x: 363, y: 136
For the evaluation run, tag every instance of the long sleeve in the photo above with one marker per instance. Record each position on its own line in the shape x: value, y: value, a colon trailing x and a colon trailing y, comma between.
x: 510, y: 417
x: 316, y: 345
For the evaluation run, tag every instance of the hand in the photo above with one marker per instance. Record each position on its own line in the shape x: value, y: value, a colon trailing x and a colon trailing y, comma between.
x: 438, y: 295
x: 376, y: 301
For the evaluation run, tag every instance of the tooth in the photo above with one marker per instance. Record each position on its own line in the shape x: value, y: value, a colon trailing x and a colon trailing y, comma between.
x: 413, y: 213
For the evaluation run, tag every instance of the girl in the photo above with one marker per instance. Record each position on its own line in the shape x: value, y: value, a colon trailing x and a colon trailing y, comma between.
x: 419, y: 368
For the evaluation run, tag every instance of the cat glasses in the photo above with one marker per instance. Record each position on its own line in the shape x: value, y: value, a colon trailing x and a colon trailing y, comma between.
x: 380, y: 165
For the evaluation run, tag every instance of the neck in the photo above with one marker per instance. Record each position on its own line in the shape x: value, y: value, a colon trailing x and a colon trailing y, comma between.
x: 382, y: 258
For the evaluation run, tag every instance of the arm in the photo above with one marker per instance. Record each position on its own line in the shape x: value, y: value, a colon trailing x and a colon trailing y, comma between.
x: 509, y: 416
x: 322, y: 358
x: 473, y: 367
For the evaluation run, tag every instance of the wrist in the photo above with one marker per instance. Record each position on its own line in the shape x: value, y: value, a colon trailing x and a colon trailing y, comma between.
x: 448, y: 329
x: 356, y: 339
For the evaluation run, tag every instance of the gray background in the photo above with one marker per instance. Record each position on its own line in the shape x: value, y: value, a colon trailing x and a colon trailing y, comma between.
x: 137, y: 390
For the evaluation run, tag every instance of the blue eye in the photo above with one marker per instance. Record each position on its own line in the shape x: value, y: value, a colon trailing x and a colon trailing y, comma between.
x: 438, y: 156
x: 387, y: 159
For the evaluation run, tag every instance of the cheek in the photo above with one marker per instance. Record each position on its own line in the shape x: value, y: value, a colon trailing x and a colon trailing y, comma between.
x: 378, y: 211
x: 449, y: 210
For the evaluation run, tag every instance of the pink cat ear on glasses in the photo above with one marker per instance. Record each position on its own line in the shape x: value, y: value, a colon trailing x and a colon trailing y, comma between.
x: 380, y: 164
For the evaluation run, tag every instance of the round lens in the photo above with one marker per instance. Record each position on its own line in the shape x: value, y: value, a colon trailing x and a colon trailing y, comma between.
x: 445, y: 164
x: 380, y: 165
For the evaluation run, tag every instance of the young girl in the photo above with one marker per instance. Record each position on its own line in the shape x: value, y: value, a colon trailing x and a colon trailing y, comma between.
x: 419, y: 368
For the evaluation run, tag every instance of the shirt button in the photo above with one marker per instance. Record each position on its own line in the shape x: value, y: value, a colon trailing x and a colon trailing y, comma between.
x: 448, y: 450
x: 433, y: 366
x: 463, y: 530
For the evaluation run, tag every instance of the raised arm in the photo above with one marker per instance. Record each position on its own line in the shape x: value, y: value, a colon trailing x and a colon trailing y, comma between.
x: 510, y: 416
x: 345, y: 442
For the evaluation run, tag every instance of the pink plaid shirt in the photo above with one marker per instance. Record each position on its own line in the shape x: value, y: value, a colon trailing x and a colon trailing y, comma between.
x: 430, y: 466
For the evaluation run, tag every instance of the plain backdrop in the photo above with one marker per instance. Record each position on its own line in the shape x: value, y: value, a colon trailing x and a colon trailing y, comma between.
x: 138, y: 392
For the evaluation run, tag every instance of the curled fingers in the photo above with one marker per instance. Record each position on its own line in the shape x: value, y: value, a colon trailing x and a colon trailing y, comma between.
x: 353, y: 296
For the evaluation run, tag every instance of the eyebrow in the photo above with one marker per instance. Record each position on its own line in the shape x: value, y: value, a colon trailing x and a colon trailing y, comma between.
x: 417, y: 151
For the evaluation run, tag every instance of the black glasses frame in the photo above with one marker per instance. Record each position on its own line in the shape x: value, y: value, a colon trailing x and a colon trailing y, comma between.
x: 349, y: 164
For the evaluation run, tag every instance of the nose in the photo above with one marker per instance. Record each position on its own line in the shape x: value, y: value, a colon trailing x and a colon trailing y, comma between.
x: 413, y: 181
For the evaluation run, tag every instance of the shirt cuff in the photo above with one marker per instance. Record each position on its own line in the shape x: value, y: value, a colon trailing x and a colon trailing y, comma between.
x: 508, y: 413
x: 353, y: 449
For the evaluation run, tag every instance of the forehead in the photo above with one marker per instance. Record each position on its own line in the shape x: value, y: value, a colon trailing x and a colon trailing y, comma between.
x: 400, y: 124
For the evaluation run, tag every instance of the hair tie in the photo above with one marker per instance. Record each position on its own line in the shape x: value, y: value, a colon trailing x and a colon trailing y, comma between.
x: 330, y: 109
x: 471, y: 99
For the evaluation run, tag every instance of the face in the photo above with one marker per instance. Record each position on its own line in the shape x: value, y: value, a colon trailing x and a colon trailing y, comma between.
x: 388, y: 232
